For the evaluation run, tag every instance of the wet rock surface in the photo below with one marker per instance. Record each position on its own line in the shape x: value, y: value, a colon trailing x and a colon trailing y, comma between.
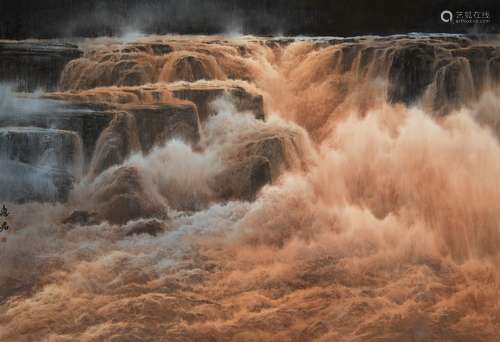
x: 151, y: 227
x: 86, y: 122
x: 460, y: 70
x: 32, y: 65
x: 120, y: 197
x: 81, y: 217
x: 115, y: 144
x: 203, y: 94
x: 39, y: 146
x: 38, y: 164
x: 157, y: 124
x: 243, y: 179
x: 411, y: 72
x: 254, y: 164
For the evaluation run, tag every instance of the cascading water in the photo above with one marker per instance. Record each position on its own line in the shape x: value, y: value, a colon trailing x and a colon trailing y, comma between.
x: 363, y: 206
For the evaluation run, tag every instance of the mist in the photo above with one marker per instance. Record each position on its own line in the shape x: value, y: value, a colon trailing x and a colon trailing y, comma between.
x: 13, y: 103
x: 93, y: 18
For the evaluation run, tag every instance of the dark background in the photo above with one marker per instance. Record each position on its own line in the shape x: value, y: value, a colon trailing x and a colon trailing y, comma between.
x: 64, y: 18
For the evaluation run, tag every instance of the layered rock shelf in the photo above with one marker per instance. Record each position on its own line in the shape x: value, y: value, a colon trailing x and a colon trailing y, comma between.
x: 104, y: 102
x: 34, y: 65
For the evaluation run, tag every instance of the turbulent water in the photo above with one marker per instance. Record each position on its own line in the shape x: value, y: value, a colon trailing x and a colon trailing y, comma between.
x: 364, y: 207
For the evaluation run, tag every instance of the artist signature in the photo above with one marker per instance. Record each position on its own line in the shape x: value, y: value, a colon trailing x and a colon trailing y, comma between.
x: 4, y: 213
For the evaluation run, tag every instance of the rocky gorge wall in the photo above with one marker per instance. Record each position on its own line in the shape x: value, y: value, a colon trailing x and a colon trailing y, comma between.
x: 196, y: 188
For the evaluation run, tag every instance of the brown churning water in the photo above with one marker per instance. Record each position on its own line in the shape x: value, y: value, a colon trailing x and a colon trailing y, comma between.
x: 381, y: 222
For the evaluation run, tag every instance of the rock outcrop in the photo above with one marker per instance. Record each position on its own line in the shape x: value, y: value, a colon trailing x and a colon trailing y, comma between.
x: 86, y: 122
x: 120, y: 197
x: 115, y: 144
x: 32, y: 65
x: 451, y: 70
x: 158, y: 123
x: 39, y: 164
x: 152, y: 227
x: 411, y: 71
x: 253, y: 164
x: 243, y: 179
x: 151, y: 112
x: 81, y: 217
x: 453, y: 86
x: 42, y: 147
x: 204, y: 93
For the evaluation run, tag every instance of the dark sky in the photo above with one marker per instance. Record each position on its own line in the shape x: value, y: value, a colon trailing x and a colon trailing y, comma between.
x: 57, y: 18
